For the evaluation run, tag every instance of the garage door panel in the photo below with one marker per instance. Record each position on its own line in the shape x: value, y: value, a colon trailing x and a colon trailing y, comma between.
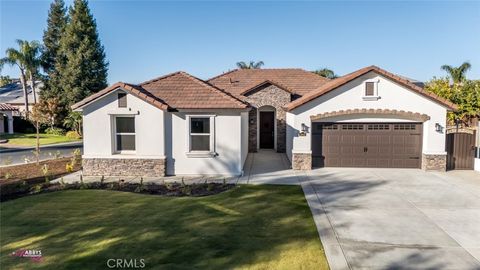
x: 380, y: 145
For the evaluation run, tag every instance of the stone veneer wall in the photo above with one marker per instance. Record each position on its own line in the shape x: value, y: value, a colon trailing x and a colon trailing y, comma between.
x: 434, y: 162
x: 123, y: 167
x: 301, y: 161
x: 269, y: 95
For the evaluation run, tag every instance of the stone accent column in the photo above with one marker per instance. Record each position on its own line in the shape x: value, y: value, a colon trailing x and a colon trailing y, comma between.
x: 301, y: 161
x: 124, y: 167
x: 434, y: 162
x: 252, y: 130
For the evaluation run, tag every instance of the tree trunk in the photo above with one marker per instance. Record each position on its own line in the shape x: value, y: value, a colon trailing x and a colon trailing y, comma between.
x: 37, y: 154
x: 25, y: 91
x: 32, y: 83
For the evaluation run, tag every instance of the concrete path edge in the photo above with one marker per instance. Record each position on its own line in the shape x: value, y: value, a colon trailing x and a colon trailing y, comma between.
x: 333, y: 251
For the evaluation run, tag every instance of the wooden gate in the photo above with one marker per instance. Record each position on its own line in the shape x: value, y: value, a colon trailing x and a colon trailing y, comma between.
x: 460, y: 151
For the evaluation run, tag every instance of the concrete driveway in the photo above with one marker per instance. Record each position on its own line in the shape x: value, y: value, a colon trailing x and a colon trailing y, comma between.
x: 396, y: 218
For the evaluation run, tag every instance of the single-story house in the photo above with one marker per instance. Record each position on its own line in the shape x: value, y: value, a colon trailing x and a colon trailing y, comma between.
x: 181, y: 125
x: 6, y: 118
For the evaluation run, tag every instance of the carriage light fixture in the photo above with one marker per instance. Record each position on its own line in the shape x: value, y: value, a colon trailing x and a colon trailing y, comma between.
x: 438, y: 128
x: 304, y: 128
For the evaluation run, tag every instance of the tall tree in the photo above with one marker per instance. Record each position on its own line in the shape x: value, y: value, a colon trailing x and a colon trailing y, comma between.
x: 457, y: 73
x: 84, y: 69
x: 327, y: 73
x: 19, y: 57
x: 56, y: 22
x: 250, y: 65
x: 32, y: 51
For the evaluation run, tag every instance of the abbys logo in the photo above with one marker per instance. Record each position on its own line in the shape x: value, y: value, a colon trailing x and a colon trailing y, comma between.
x: 125, y: 263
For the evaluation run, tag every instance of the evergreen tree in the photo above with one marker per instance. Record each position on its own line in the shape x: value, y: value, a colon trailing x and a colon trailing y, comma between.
x: 56, y: 22
x: 84, y: 68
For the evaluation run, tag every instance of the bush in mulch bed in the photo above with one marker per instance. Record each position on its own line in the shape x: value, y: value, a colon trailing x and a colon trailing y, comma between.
x: 168, y: 189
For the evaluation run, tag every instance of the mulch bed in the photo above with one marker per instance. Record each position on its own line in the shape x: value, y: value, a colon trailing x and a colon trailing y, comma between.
x: 18, y: 190
x: 32, y: 172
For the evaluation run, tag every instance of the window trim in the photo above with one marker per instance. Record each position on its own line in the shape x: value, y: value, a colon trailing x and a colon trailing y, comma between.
x: 200, y: 154
x: 375, y: 90
x: 114, y: 133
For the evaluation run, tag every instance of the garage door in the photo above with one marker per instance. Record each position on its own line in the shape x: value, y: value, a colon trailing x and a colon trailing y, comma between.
x: 375, y: 145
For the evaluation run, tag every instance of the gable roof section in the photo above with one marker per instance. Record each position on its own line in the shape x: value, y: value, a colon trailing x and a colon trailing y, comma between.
x: 334, y: 84
x: 130, y: 88
x: 265, y: 83
x: 177, y: 90
x: 181, y: 90
x: 297, y: 80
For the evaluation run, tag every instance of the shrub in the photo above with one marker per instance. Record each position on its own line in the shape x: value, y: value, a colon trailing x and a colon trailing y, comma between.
x: 55, y: 131
x: 69, y: 168
x: 73, y: 135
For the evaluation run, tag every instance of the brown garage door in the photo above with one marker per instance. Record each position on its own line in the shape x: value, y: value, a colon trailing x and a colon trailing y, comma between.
x: 374, y: 145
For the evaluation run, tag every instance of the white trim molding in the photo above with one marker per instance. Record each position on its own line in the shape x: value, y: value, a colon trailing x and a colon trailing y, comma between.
x: 200, y: 154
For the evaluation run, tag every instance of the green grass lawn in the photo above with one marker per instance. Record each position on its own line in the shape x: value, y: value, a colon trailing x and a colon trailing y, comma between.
x: 30, y: 139
x: 249, y: 227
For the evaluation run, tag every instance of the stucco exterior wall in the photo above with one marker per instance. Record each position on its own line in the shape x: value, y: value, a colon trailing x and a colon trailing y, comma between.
x: 227, y: 145
x: 98, y: 130
x: 270, y: 96
x: 349, y: 96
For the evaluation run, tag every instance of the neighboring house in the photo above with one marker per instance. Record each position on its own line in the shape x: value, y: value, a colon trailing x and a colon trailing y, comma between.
x: 179, y: 124
x: 12, y: 94
x: 6, y: 118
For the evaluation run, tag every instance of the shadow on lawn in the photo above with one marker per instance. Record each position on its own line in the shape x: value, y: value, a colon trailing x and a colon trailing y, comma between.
x: 243, y: 227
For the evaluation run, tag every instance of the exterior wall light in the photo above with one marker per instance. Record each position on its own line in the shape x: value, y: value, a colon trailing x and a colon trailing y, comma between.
x: 438, y: 128
x: 304, y: 130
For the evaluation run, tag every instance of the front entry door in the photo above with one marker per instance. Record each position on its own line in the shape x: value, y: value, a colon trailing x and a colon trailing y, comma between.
x: 267, y: 125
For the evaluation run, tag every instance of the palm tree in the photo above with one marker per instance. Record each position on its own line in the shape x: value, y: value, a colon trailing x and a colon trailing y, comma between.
x: 250, y: 65
x: 326, y: 73
x: 457, y: 73
x: 19, y: 58
x: 74, y: 122
x: 32, y: 50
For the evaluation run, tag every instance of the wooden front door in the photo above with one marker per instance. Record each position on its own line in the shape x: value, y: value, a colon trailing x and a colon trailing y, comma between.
x: 460, y: 151
x: 267, y: 126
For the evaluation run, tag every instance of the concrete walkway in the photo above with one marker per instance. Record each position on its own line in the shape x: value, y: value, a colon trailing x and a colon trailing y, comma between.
x: 268, y: 167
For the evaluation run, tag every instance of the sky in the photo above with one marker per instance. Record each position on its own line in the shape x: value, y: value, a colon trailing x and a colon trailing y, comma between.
x: 147, y: 39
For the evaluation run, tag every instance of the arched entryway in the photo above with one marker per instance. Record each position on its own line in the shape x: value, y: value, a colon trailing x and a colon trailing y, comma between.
x: 266, y: 128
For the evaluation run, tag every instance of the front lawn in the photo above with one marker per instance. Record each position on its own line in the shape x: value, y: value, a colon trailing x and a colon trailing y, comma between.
x: 249, y: 227
x: 30, y: 139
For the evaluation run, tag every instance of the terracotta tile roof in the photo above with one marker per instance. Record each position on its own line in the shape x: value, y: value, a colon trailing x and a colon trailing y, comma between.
x: 5, y: 107
x: 181, y: 90
x: 333, y: 84
x: 239, y: 81
x: 177, y: 90
x: 132, y: 89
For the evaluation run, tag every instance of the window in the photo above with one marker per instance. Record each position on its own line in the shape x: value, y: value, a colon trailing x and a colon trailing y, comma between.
x: 330, y: 126
x: 378, y: 127
x: 369, y: 89
x: 122, y: 100
x: 404, y: 127
x: 200, y: 134
x: 352, y: 127
x: 124, y: 133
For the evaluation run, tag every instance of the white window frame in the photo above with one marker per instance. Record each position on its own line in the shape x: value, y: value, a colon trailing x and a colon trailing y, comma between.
x: 192, y: 153
x: 115, y: 148
x: 375, y: 90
